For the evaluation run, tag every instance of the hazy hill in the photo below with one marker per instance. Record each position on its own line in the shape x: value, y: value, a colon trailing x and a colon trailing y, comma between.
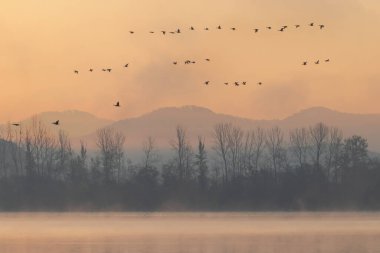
x: 200, y: 121
x: 75, y: 123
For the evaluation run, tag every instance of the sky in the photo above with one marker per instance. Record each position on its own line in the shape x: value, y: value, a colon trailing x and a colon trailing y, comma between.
x: 43, y: 41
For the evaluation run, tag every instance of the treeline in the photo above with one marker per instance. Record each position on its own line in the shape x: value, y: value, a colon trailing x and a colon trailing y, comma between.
x: 313, y: 168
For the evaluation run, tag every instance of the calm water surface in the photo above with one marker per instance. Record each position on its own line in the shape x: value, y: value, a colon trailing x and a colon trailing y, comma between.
x: 190, y: 232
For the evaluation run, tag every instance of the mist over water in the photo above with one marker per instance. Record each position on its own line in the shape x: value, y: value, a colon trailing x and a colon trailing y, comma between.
x: 189, y: 232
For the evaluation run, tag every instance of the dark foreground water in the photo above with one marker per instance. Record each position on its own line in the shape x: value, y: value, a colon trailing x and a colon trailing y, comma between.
x: 190, y: 232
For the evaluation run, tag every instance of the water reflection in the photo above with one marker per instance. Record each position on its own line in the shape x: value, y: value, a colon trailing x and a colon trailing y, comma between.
x: 190, y: 232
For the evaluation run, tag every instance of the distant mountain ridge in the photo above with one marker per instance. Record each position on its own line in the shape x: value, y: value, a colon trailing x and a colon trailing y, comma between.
x: 199, y: 121
x: 161, y: 124
x: 75, y: 123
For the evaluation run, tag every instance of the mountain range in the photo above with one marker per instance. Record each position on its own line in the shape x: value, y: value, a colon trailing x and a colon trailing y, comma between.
x: 161, y: 124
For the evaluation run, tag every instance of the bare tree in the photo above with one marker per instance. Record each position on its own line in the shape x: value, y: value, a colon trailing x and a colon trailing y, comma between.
x: 111, y: 144
x: 235, y: 143
x: 201, y: 163
x: 221, y: 146
x: 253, y: 149
x: 64, y: 154
x: 299, y: 140
x: 150, y: 154
x: 318, y: 138
x: 335, y: 146
x: 276, y: 149
x: 183, y: 154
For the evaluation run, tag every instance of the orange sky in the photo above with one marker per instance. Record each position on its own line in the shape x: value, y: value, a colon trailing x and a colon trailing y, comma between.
x: 43, y: 41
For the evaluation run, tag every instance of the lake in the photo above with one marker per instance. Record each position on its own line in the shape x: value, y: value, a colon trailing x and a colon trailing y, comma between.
x: 189, y: 232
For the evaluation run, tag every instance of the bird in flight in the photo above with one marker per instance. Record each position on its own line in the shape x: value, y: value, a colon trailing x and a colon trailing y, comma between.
x: 104, y: 70
x: 311, y: 24
x: 284, y: 26
x: 16, y: 124
x: 256, y: 30
x: 193, y: 62
x: 163, y: 32
x: 192, y: 28
x: 56, y: 123
x: 237, y: 84
x: 109, y: 70
x: 91, y: 70
x: 151, y: 32
x: 327, y: 60
x: 126, y: 65
x: 321, y: 26
x: 282, y: 29
x: 225, y: 83
x: 259, y: 83
x: 244, y: 83
x: 304, y: 63
x: 172, y: 32
x: 297, y: 26
x: 76, y: 71
x: 131, y: 32
x: 117, y: 104
x: 175, y: 63
x: 219, y: 27
x: 206, y: 29
x: 178, y: 30
x: 269, y: 27
x: 233, y: 28
x: 207, y: 82
x: 207, y: 59
x: 317, y: 62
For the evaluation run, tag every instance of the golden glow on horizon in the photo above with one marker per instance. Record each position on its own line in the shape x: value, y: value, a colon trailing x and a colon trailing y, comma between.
x: 42, y: 42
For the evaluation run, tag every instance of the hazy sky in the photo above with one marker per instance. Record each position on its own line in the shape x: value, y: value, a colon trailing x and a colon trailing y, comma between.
x: 43, y: 41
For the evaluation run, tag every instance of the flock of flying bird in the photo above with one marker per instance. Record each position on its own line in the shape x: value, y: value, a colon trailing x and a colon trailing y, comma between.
x: 256, y: 30
x: 187, y: 62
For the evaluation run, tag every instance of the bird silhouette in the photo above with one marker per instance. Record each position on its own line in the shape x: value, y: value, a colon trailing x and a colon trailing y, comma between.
x: 163, y: 32
x: 104, y: 70
x: 131, y: 32
x: 269, y: 27
x: 226, y: 83
x: 91, y: 70
x: 192, y: 28
x: 172, y: 32
x: 76, y: 71
x: 219, y: 27
x: 256, y: 30
x: 259, y: 83
x: 175, y: 63
x: 321, y: 26
x: 178, y: 30
x: 109, y: 70
x: 207, y: 59
x: 193, y: 62
x: 237, y: 84
x: 327, y: 60
x: 206, y: 29
x: 16, y: 124
x: 317, y: 62
x: 244, y: 83
x: 126, y: 65
x: 297, y: 26
x: 282, y: 29
x: 151, y: 32
x: 284, y: 26
x: 207, y: 82
x: 311, y: 24
x: 304, y: 63
x: 117, y: 104
x: 233, y: 28
x: 56, y: 123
